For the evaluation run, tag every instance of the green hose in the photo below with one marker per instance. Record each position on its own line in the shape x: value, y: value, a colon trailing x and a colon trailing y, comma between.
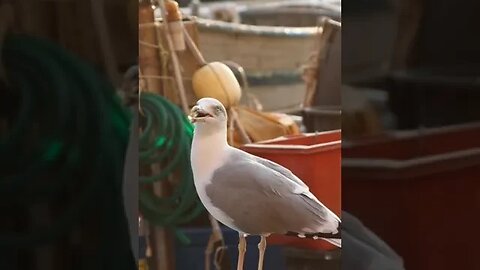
x: 65, y: 145
x: 166, y: 140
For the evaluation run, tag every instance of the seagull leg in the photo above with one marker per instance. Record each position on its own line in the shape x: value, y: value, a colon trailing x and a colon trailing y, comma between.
x: 261, y: 248
x: 209, y: 251
x: 242, y: 247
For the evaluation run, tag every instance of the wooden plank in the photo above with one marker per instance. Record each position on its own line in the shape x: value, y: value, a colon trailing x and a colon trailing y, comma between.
x: 149, y: 57
x: 87, y: 42
x: 123, y: 32
x: 328, y: 78
x: 163, y: 244
x: 104, y: 41
x: 33, y: 23
x: 409, y: 18
x: 64, y: 13
x: 256, y: 53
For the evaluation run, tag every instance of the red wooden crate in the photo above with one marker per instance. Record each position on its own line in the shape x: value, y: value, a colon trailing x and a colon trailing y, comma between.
x: 413, y: 190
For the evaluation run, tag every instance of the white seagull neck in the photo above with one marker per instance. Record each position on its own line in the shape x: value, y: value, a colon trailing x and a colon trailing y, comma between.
x: 209, y: 150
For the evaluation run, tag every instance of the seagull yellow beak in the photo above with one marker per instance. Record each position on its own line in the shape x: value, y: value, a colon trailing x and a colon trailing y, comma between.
x: 193, y: 114
x: 197, y: 113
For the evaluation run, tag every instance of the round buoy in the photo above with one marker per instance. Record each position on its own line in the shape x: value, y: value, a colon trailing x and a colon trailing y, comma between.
x: 217, y: 80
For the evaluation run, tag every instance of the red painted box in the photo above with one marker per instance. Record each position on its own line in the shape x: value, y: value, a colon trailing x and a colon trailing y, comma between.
x: 420, y: 192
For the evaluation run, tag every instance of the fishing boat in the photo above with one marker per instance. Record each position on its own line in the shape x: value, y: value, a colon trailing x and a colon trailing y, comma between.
x: 269, y: 40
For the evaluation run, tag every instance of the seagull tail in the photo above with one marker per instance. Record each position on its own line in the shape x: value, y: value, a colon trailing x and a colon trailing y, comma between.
x: 334, y: 241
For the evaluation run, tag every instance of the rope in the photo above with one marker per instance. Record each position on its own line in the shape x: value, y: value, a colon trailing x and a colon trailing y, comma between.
x: 65, y: 140
x: 166, y: 140
x: 164, y: 58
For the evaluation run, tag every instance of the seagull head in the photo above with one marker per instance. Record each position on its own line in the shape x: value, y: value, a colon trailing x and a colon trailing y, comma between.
x: 208, y: 112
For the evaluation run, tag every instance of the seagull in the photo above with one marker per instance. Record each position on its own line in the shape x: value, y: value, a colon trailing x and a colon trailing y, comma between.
x: 249, y: 194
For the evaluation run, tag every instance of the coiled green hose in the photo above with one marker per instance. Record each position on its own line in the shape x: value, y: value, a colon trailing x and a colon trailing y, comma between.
x: 64, y: 146
x: 166, y: 140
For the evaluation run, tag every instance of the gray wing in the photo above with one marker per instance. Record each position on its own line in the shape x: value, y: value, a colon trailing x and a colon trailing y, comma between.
x: 280, y: 169
x: 304, y: 190
x: 312, y: 200
x: 261, y: 199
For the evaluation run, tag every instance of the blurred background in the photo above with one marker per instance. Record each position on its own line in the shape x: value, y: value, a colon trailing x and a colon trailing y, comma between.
x: 411, y: 168
x: 65, y: 122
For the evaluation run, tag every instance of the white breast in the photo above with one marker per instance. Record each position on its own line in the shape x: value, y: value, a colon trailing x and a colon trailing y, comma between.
x: 207, y: 155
